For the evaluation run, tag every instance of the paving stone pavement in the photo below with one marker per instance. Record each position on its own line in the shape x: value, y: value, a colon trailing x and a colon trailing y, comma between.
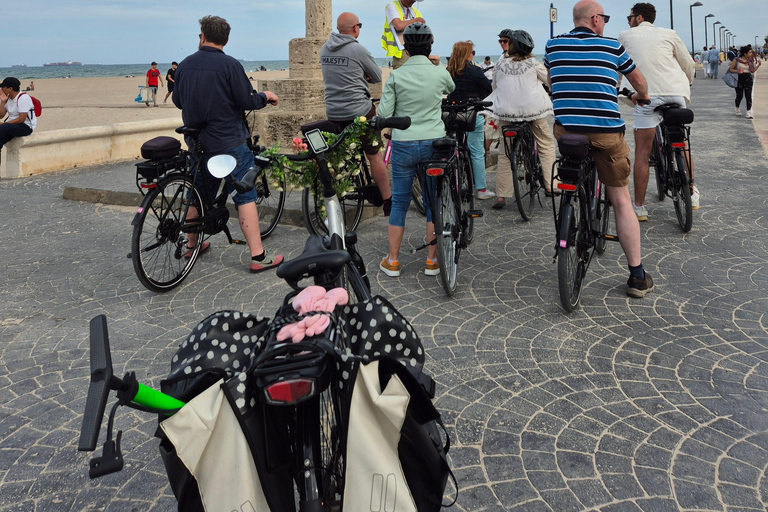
x: 649, y: 405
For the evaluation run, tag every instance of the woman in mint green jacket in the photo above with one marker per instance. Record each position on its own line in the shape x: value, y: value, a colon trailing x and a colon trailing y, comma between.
x: 416, y: 90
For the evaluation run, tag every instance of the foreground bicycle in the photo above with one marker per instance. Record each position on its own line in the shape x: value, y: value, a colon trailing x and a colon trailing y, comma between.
x: 527, y: 173
x: 451, y: 194
x: 159, y: 246
x: 670, y: 159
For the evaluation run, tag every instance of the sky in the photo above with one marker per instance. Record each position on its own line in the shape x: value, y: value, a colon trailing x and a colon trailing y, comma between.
x: 138, y: 31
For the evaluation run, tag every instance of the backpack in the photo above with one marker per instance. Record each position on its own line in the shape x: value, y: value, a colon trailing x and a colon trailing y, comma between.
x: 37, y: 107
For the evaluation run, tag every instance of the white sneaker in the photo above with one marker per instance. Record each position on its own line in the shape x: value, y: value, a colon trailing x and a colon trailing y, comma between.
x: 695, y: 198
x: 641, y: 212
x: 485, y: 194
x: 738, y: 111
x: 749, y: 114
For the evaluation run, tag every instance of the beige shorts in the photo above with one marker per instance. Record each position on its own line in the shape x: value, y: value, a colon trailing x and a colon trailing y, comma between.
x: 611, y: 155
x: 491, y: 128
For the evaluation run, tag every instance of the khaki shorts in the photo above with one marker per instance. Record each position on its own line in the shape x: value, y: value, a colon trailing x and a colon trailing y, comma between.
x: 611, y: 155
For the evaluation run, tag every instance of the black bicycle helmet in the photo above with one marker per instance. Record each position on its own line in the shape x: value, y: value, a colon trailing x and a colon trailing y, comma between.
x: 522, y: 42
x: 507, y: 32
x: 417, y: 34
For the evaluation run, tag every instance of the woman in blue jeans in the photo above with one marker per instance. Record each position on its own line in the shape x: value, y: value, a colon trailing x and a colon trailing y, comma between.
x: 471, y: 83
x: 416, y: 90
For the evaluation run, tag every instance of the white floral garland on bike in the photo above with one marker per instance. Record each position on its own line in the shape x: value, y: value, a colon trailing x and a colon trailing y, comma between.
x: 343, y: 161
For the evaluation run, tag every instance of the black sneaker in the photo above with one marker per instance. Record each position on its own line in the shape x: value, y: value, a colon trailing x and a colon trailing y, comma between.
x: 637, y: 288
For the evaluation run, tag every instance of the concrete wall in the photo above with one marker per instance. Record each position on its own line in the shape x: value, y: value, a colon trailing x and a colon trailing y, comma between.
x: 66, y: 149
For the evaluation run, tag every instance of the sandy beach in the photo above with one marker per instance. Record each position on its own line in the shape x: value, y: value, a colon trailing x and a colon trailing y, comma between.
x: 81, y: 102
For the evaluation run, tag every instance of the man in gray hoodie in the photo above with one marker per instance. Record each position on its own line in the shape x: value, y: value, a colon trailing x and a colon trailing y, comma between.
x: 348, y: 68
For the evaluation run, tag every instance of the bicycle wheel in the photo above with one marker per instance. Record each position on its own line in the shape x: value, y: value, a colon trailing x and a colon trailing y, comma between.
x: 159, y: 240
x: 270, y: 204
x: 522, y: 178
x: 659, y: 166
x: 603, y: 218
x: 682, y: 191
x: 331, y: 452
x: 446, y: 219
x: 313, y: 209
x: 418, y: 201
x: 467, y: 194
x: 572, y: 260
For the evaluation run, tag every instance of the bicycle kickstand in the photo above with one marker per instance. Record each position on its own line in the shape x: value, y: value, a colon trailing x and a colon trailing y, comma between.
x: 433, y: 242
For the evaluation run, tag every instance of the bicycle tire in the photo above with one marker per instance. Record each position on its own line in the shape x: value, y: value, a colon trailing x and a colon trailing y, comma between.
x: 603, y: 218
x: 158, y: 243
x: 467, y: 194
x: 312, y: 208
x: 270, y: 204
x: 658, y: 167
x: 446, y: 220
x: 418, y: 200
x: 682, y: 189
x: 573, y: 259
x: 522, y: 179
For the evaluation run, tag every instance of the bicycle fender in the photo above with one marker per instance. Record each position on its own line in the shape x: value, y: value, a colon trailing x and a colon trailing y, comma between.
x: 566, y: 214
x: 144, y: 204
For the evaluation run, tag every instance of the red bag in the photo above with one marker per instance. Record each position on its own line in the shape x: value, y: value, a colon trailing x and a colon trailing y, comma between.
x: 37, y: 107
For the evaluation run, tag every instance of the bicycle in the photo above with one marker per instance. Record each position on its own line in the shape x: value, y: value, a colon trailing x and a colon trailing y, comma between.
x: 365, y: 190
x: 581, y: 221
x: 161, y: 257
x: 527, y: 173
x: 451, y: 196
x: 670, y: 159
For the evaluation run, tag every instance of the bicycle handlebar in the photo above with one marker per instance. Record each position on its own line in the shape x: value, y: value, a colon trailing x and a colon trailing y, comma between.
x: 465, y: 105
x: 626, y: 92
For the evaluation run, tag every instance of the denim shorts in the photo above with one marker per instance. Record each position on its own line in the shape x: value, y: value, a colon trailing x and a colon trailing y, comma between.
x: 646, y: 117
x: 244, y: 158
x: 406, y: 157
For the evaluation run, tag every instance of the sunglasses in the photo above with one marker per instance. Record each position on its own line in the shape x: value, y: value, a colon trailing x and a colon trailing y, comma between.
x: 629, y: 18
x: 504, y: 41
x: 606, y: 18
x: 358, y: 25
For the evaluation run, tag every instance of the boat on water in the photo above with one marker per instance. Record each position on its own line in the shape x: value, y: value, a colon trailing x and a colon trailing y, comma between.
x: 69, y: 63
x: 19, y: 65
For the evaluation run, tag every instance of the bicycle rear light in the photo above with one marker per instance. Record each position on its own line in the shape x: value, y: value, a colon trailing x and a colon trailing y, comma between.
x: 566, y: 186
x: 435, y: 171
x: 678, y: 144
x: 510, y: 134
x: 290, y: 392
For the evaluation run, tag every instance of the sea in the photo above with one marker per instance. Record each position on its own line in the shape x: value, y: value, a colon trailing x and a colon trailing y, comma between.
x: 123, y: 70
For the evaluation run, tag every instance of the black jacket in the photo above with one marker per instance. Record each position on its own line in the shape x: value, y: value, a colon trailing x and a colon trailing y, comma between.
x: 471, y: 83
x: 212, y: 91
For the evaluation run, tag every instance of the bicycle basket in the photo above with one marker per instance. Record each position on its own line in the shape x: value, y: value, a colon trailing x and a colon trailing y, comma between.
x: 463, y: 122
x: 678, y: 116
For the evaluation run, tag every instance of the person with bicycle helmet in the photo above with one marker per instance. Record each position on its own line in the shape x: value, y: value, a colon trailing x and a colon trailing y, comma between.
x: 518, y: 96
x: 471, y: 83
x: 416, y: 90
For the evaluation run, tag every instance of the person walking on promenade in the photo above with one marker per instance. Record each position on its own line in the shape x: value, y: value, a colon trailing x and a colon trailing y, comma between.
x: 518, y: 96
x: 169, y: 79
x: 592, y: 110
x: 471, y: 83
x: 153, y: 76
x: 664, y: 61
x: 212, y: 91
x: 415, y: 89
x: 704, y: 62
x: 347, y: 69
x: 19, y: 108
x: 399, y: 14
x: 745, y: 66
x: 713, y: 57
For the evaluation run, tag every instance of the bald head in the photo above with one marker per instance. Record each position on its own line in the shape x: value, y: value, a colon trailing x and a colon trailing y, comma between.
x: 583, y: 12
x: 347, y: 24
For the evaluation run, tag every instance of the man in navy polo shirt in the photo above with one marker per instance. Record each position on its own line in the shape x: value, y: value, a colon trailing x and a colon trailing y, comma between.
x: 584, y: 71
x: 212, y: 91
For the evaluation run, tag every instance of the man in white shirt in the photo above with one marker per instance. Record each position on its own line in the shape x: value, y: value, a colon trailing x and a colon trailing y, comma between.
x: 19, y: 108
x: 664, y: 61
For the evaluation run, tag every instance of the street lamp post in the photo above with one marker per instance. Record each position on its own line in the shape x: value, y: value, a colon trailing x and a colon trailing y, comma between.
x: 726, y: 34
x: 714, y: 34
x: 705, y: 28
x: 690, y: 9
x: 671, y: 16
x: 720, y: 30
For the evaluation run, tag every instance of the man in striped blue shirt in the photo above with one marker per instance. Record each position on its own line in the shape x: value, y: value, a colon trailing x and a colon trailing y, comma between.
x: 584, y: 71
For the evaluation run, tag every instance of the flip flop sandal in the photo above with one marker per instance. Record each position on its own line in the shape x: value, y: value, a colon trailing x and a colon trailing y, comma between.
x: 203, y: 250
x: 499, y: 203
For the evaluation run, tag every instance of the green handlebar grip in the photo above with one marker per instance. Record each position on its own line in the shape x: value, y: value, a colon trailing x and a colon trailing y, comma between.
x: 155, y: 399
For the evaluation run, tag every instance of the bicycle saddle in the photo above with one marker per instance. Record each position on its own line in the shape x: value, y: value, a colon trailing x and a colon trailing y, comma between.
x: 188, y: 131
x: 315, y: 260
x: 573, y: 145
x: 444, y: 144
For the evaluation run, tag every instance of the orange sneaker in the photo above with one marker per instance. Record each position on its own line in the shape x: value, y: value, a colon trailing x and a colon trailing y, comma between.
x: 391, y: 269
x: 432, y: 268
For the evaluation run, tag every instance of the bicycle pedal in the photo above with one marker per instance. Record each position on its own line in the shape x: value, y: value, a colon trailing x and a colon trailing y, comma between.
x: 239, y: 242
x: 475, y: 213
x: 611, y: 237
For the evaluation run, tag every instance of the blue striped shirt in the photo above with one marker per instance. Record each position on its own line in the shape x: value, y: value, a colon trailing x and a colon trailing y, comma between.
x: 584, y: 69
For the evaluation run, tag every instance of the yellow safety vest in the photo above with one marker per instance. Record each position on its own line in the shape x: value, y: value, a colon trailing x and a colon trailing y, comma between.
x: 388, y: 37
